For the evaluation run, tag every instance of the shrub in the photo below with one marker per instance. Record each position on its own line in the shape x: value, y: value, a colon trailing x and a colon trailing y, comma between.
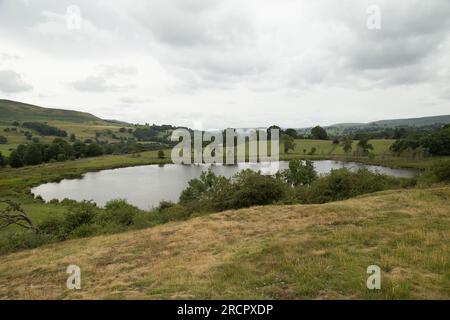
x: 202, y: 188
x: 343, y: 184
x: 164, y: 205
x: 248, y: 188
x: 299, y: 173
x: 441, y: 171
x: 3, y: 140
x: 80, y: 214
x: 84, y: 230
x: 52, y: 226
x: 119, y: 212
x: 19, y: 240
x: 172, y: 213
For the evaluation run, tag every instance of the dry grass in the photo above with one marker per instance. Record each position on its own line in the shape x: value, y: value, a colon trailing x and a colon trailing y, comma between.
x: 275, y: 252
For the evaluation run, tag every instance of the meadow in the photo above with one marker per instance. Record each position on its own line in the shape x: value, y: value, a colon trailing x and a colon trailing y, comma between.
x: 270, y: 252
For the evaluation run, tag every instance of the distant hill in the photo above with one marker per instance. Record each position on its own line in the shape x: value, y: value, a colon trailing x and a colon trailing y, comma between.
x: 410, y: 122
x: 18, y: 111
x: 413, y: 122
x: 384, y: 124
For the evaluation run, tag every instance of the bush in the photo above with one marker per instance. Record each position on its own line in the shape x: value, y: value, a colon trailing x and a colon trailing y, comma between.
x: 248, y: 188
x: 81, y: 214
x: 299, y: 173
x: 203, y: 188
x: 172, y: 213
x: 441, y: 171
x: 164, y: 205
x: 19, y: 240
x: 52, y: 226
x: 3, y: 140
x: 84, y: 230
x: 343, y: 184
x: 118, y: 212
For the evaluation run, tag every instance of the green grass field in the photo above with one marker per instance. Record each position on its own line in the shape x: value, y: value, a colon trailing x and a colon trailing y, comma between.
x: 326, y: 147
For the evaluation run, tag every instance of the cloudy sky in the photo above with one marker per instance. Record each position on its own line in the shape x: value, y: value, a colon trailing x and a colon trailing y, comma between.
x: 223, y: 63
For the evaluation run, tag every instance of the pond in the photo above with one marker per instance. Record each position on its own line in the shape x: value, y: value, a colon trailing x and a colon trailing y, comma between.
x: 146, y: 186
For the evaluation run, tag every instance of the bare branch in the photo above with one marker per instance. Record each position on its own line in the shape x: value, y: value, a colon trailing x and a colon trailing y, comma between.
x: 14, y: 214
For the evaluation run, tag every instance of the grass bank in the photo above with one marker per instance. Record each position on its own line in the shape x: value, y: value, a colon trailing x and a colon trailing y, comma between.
x: 273, y: 252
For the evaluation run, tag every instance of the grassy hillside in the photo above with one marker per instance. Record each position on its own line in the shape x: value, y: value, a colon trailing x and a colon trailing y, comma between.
x: 274, y: 252
x: 413, y: 122
x: 342, y: 128
x: 392, y: 123
x: 17, y: 111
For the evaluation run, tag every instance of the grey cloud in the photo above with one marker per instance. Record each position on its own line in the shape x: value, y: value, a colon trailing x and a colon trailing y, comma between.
x: 102, y: 81
x: 408, y: 34
x: 98, y: 84
x: 133, y: 100
x: 11, y: 82
x: 178, y: 23
x: 8, y: 57
x: 229, y: 49
x: 113, y: 71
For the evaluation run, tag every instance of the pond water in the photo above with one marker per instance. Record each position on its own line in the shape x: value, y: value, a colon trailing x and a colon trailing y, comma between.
x: 146, y: 186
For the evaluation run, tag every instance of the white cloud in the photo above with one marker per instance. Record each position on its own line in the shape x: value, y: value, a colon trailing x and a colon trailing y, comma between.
x: 292, y: 62
x: 11, y: 82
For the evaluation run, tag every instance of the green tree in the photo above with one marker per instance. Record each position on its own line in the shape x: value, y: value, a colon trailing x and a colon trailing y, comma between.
x: 16, y: 159
x: 202, y: 188
x: 94, y: 150
x: 336, y: 141
x: 33, y: 155
x: 300, y: 173
x: 319, y: 133
x: 248, y: 188
x: 347, y: 142
x: 289, y: 143
x: 312, y: 151
x: 291, y: 132
x: 72, y: 137
x: 161, y: 154
x: 364, y: 146
x: 3, y: 140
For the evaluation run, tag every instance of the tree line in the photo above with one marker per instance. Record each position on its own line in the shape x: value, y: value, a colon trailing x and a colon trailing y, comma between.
x: 436, y: 142
x: 60, y: 150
